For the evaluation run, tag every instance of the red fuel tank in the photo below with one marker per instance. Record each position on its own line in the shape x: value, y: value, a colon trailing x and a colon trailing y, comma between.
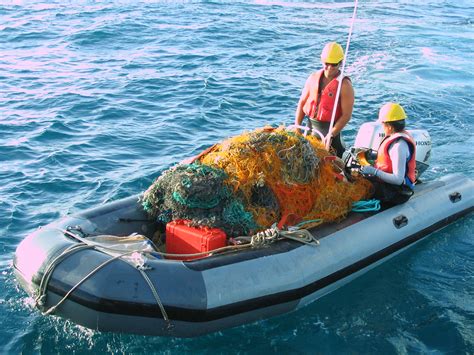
x: 183, y: 239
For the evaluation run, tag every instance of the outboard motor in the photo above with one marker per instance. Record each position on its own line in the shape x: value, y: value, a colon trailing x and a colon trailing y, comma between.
x: 371, y: 134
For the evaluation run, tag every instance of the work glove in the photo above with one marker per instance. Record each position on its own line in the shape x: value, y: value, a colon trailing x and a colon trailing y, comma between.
x: 368, y: 170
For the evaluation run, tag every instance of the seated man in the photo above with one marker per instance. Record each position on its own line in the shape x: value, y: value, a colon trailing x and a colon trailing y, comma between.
x: 394, y: 173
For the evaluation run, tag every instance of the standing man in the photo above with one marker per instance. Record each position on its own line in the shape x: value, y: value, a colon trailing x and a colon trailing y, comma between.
x: 318, y: 97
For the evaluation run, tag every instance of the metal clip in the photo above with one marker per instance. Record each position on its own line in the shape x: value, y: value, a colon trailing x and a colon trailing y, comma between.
x: 455, y: 197
x: 400, y: 221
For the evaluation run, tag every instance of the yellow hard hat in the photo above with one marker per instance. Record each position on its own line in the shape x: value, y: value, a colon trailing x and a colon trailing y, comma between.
x: 391, y: 112
x: 332, y: 53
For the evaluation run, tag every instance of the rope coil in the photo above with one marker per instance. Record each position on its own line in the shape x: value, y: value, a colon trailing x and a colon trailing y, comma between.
x: 366, y: 206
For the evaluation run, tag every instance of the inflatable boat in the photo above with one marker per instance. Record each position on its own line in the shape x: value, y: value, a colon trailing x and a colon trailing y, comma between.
x: 77, y: 268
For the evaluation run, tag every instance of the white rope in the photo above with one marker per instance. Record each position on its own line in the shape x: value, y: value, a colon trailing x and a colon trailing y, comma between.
x: 338, y: 92
x: 274, y: 234
x: 40, y: 299
x: 41, y: 292
x: 267, y: 236
x: 300, y: 235
x: 157, y: 297
x: 85, y: 278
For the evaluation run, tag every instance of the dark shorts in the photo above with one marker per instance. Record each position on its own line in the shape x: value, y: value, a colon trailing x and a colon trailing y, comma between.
x: 336, y: 143
x: 389, y: 194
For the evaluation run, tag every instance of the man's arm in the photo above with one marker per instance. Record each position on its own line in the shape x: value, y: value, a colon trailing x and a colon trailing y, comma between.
x: 299, y: 114
x: 347, y: 104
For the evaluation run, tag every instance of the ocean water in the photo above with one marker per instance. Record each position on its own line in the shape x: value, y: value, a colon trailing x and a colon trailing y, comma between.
x: 96, y: 99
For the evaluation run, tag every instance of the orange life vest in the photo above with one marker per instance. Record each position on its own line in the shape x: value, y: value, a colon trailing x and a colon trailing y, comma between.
x: 320, y: 108
x: 384, y: 162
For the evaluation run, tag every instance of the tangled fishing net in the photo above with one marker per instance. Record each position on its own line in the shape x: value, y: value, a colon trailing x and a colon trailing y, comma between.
x: 248, y: 182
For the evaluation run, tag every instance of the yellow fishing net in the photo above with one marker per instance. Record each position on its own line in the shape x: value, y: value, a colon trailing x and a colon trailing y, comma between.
x: 301, y: 174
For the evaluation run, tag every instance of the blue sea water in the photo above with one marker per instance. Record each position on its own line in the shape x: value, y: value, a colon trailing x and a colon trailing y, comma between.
x: 96, y: 99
